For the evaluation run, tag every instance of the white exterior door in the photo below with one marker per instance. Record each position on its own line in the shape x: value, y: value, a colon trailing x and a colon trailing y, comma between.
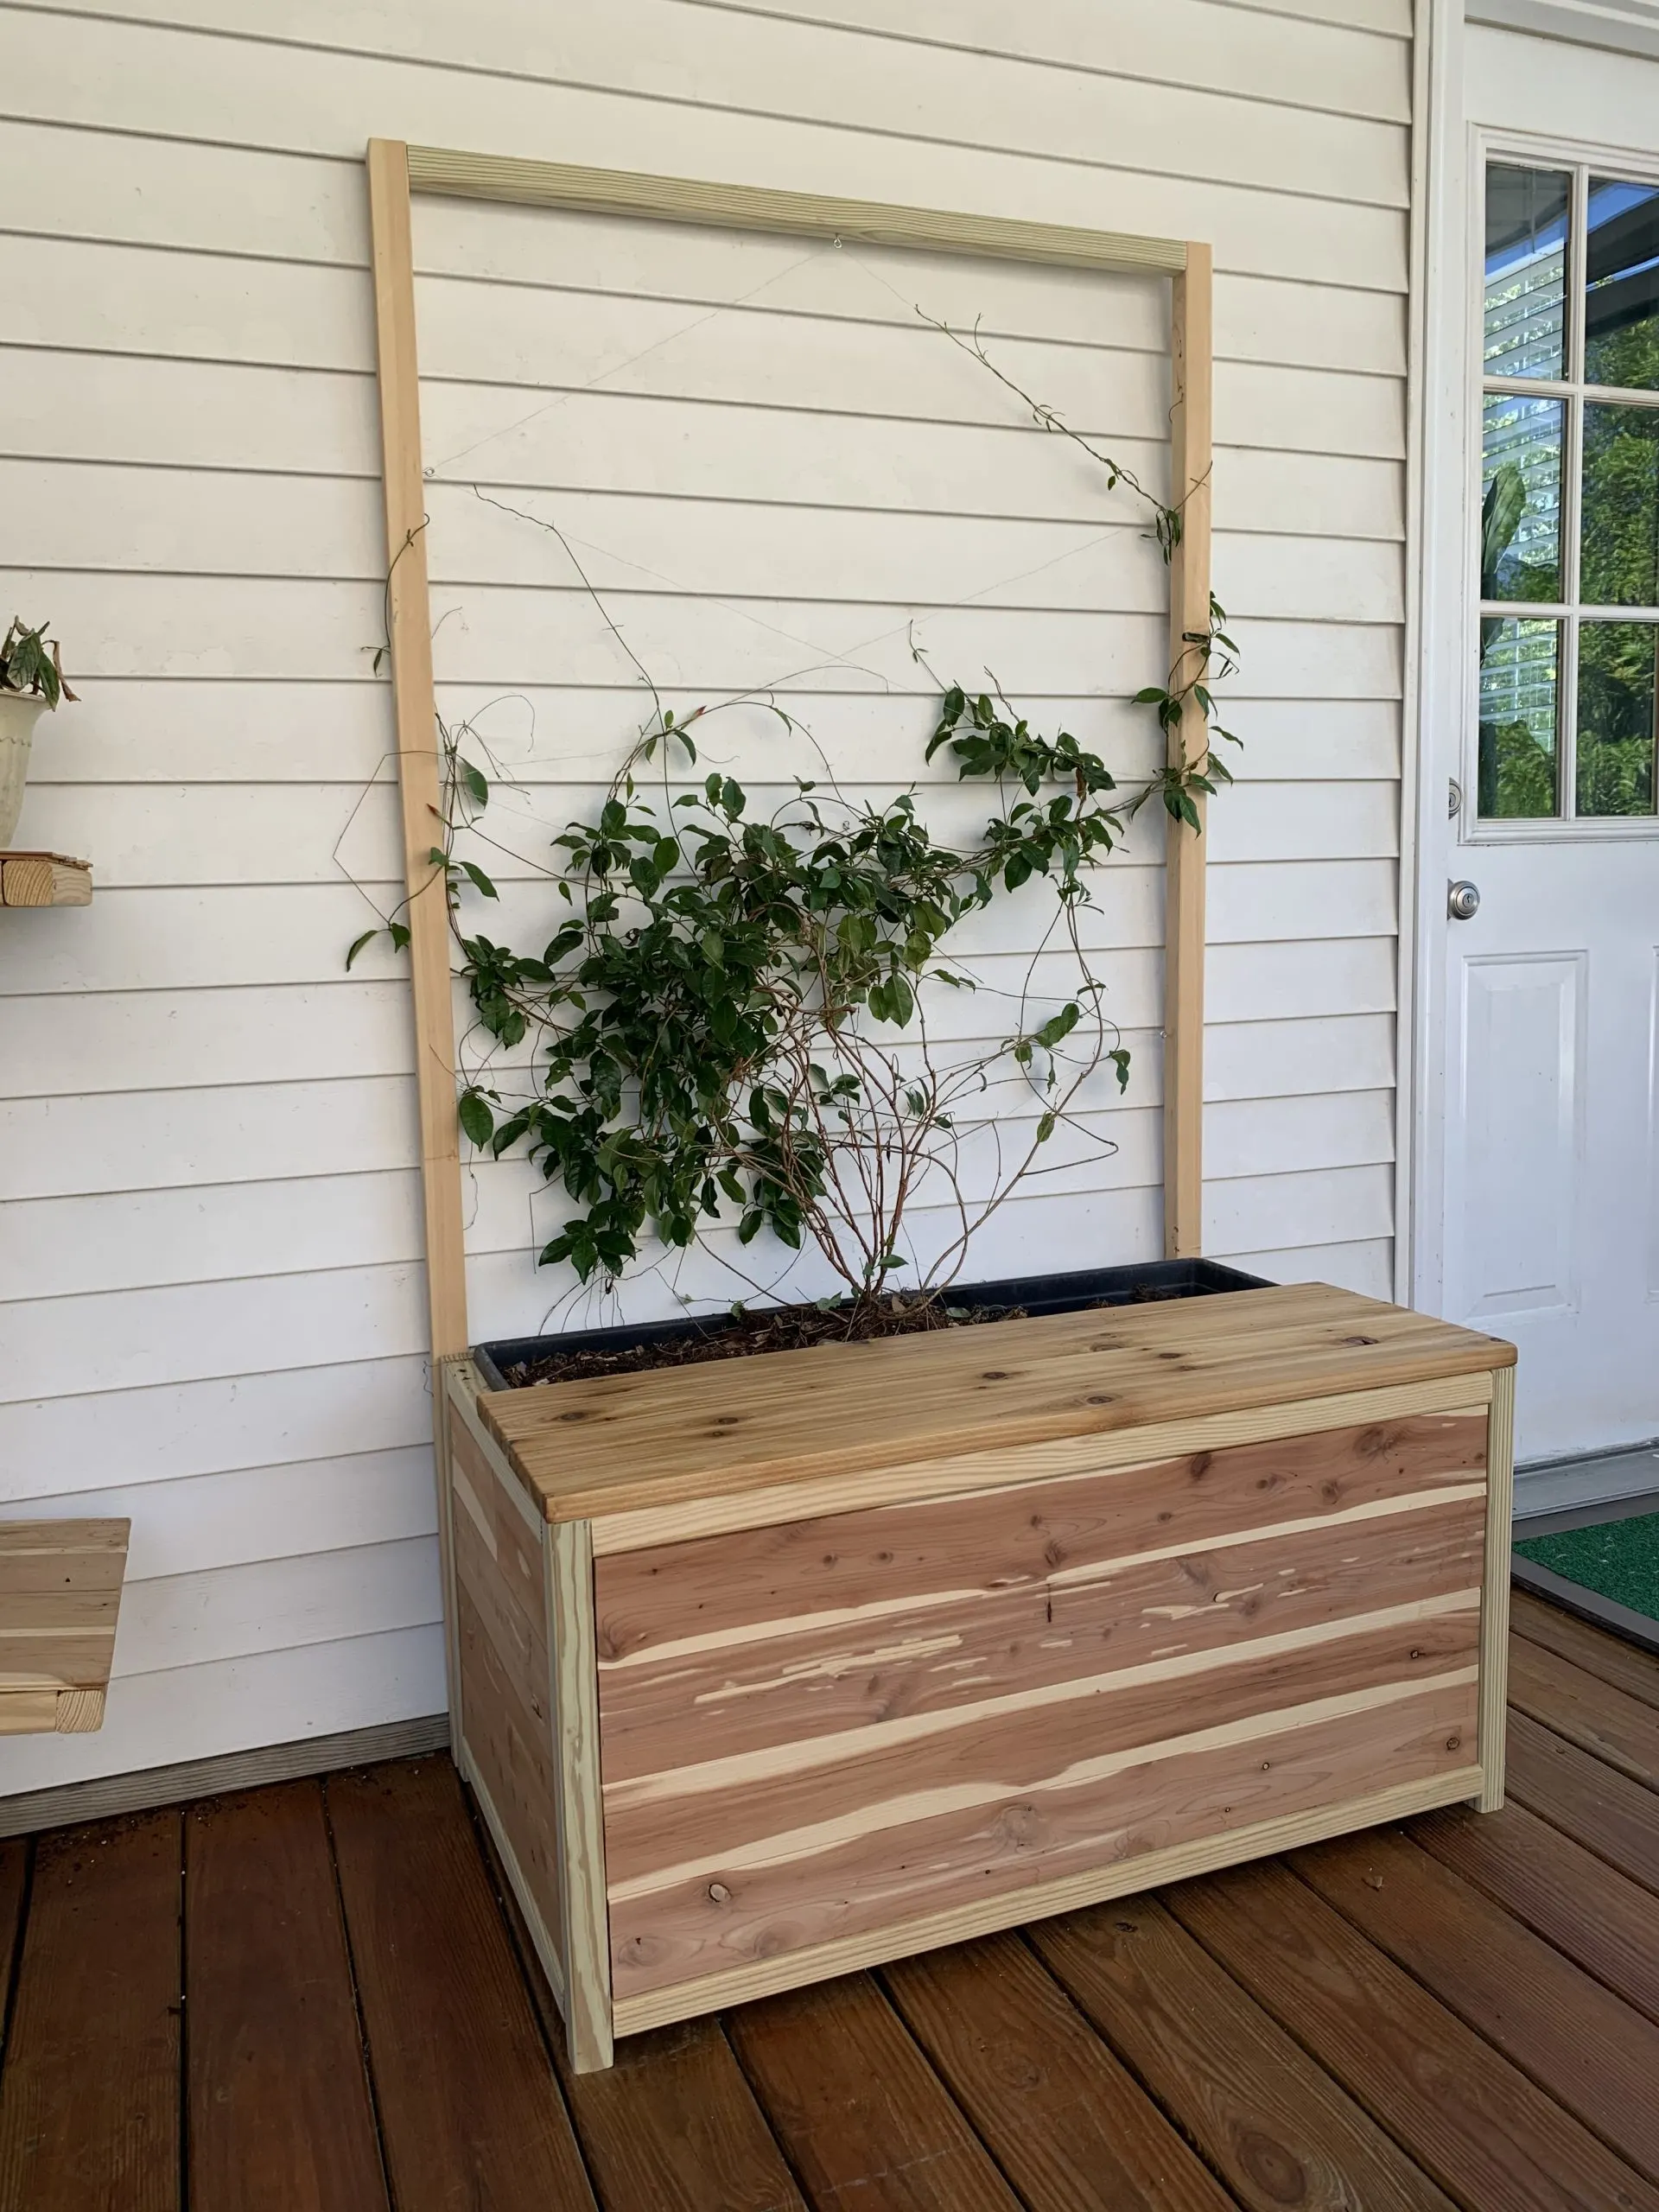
x: 1551, y: 986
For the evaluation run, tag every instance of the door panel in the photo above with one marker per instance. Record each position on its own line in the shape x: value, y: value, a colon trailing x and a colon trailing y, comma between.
x: 1522, y: 1082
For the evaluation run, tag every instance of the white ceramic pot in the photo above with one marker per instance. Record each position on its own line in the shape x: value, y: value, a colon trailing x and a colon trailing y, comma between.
x: 19, y: 713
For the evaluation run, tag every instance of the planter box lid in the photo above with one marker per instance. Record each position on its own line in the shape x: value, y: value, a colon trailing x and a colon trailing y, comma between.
x: 621, y: 1443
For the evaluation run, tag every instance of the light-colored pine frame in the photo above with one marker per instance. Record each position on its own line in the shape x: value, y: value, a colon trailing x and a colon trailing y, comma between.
x: 395, y: 171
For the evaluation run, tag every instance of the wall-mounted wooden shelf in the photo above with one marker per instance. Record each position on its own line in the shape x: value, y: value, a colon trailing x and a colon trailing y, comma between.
x: 59, y: 1594
x: 44, y: 879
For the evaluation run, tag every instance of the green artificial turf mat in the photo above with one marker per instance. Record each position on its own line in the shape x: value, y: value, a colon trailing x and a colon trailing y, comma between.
x: 1619, y: 1559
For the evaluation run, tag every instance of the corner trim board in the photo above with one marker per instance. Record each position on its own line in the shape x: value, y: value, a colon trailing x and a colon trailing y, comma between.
x: 578, y: 1798
x: 547, y: 1951
x: 1495, y: 1595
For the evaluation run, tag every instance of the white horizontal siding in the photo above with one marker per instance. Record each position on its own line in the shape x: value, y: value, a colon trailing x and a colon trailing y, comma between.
x: 197, y: 1523
x: 236, y: 1705
x: 68, y: 1444
x: 211, y: 1305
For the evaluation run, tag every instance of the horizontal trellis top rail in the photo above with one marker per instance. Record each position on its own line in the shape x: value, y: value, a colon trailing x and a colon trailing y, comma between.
x: 802, y: 214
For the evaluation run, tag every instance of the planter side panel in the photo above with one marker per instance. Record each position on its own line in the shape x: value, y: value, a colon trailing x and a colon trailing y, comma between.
x: 504, y: 1731
x: 823, y: 1729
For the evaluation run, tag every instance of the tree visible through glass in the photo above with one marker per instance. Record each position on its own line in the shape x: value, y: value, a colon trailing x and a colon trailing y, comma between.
x: 1569, y: 518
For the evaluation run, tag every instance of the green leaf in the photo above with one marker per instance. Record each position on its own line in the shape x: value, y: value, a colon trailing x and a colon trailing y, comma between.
x: 479, y: 878
x: 474, y: 783
x: 1059, y: 1025
x: 399, y: 932
x: 476, y: 1118
x: 358, y: 945
x: 1045, y: 1129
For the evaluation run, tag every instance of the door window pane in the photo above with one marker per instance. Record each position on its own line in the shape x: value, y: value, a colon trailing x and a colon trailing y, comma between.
x: 1619, y: 564
x: 1621, y: 285
x: 1615, y: 726
x: 1521, y: 498
x: 1526, y: 271
x: 1518, y: 718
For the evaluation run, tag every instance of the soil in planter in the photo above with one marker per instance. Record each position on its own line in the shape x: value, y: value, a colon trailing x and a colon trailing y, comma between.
x: 783, y: 1328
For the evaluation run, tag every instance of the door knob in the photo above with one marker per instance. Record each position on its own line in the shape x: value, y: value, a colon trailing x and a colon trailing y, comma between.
x: 1462, y: 901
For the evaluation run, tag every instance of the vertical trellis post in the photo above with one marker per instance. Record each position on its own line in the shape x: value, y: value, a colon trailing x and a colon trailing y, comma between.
x: 1188, y: 615
x: 408, y: 635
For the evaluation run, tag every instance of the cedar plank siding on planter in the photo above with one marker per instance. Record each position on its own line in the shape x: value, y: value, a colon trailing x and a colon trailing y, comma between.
x: 1131, y: 1593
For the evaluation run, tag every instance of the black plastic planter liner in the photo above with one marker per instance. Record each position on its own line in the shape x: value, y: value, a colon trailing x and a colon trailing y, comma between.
x: 1148, y: 1281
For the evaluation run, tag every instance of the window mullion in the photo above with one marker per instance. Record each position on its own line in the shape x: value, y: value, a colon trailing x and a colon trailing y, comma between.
x: 1573, y: 488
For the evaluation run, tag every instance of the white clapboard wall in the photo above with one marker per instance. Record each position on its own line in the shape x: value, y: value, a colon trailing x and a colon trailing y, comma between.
x: 211, y: 1304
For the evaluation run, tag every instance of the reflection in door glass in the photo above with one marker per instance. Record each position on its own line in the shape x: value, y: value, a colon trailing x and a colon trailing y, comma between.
x: 1616, y: 711
x: 1621, y: 285
x: 1521, y: 498
x: 1519, y: 663
x: 1619, y: 563
x: 1526, y: 271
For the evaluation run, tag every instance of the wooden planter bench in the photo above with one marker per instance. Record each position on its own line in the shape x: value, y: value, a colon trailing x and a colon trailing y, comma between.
x: 60, y: 1596
x: 766, y: 1670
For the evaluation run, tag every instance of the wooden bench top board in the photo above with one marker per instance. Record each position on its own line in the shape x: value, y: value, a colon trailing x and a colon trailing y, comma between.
x: 59, y: 1596
x: 627, y: 1443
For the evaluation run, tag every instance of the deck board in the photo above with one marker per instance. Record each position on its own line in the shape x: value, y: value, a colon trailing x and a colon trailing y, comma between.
x: 866, y: 2119
x: 1594, y: 2054
x: 1635, y: 1673
x: 1276, y: 2127
x: 1595, y: 1805
x: 280, y: 2110
x: 1619, y: 1729
x: 1586, y: 1908
x: 1048, y: 2099
x: 470, y: 2107
x: 1463, y: 2011
x: 1487, y: 2133
x: 89, y: 2096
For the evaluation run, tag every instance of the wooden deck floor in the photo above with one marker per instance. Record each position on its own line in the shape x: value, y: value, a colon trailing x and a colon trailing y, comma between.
x: 310, y: 1996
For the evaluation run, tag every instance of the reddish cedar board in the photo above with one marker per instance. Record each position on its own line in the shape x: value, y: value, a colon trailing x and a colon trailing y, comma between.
x: 740, y: 1697
x: 1004, y: 1538
x: 1014, y: 1748
x: 621, y: 1443
x: 724, y: 1915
